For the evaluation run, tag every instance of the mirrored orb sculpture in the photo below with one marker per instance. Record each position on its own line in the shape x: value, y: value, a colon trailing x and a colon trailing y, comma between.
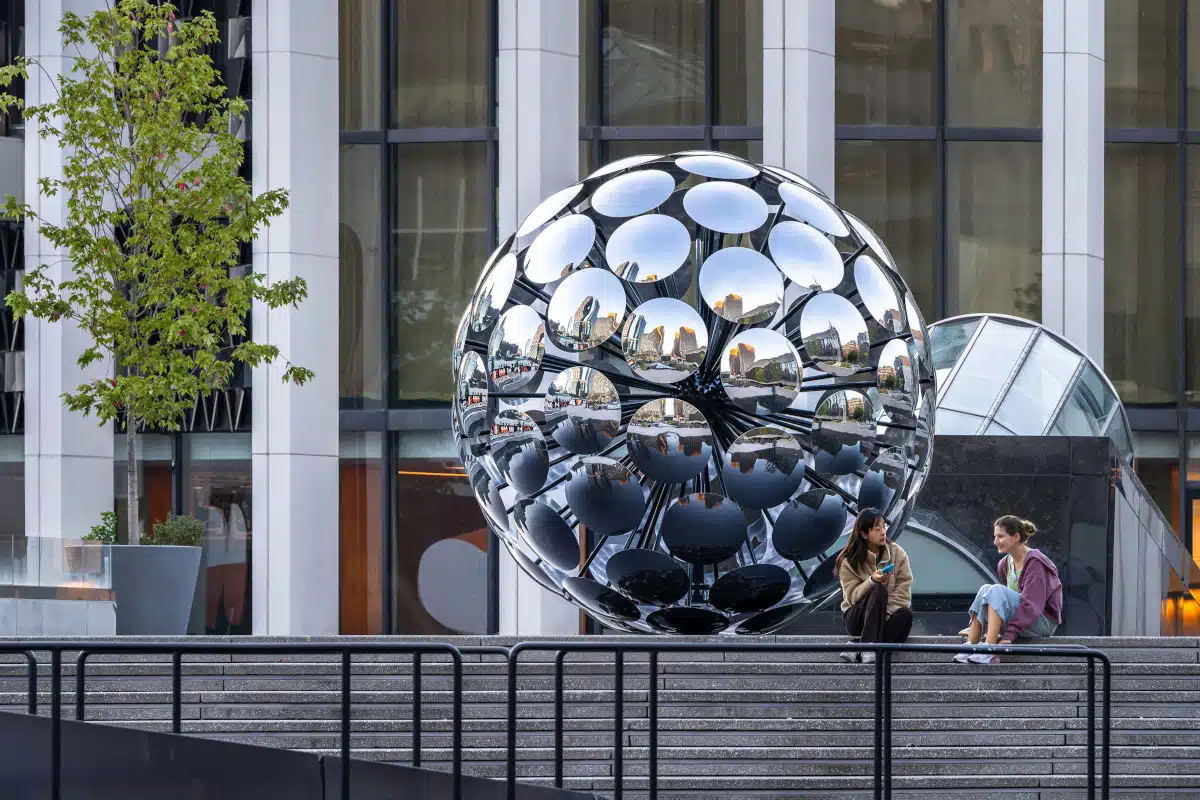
x: 678, y: 382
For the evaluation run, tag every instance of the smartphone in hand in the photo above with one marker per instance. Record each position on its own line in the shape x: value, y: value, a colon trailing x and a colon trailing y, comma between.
x: 888, y: 568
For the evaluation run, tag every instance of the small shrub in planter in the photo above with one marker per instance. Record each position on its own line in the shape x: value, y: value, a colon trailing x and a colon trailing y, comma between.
x: 178, y: 531
x: 86, y: 557
x: 106, y: 531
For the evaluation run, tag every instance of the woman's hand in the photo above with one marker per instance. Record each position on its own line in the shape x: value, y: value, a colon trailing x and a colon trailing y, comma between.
x: 878, y: 576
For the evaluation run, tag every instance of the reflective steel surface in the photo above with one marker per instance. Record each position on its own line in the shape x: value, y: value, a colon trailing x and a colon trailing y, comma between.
x: 674, y: 388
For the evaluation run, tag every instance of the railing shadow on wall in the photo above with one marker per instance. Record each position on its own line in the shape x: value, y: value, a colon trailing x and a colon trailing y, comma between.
x: 558, y: 650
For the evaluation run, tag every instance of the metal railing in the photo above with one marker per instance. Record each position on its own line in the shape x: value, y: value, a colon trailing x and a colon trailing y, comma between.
x: 651, y: 647
x: 882, y: 749
x: 177, y: 650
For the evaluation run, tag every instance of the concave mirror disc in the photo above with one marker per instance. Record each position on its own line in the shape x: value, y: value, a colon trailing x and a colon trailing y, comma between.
x: 648, y: 576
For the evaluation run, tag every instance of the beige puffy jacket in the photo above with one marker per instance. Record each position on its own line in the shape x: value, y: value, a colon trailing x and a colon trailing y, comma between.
x: 857, y: 582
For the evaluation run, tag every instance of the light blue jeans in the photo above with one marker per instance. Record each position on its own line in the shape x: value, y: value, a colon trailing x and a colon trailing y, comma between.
x: 1004, y: 602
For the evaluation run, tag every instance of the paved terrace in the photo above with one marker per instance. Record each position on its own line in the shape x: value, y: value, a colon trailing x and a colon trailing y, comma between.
x: 732, y: 725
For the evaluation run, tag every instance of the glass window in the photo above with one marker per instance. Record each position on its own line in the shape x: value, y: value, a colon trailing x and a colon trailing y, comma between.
x: 986, y: 366
x: 1141, y: 64
x: 440, y: 242
x: 1157, y: 466
x: 360, y: 491
x: 891, y: 187
x: 12, y: 485
x: 994, y: 228
x: 360, y: 361
x: 441, y: 64
x: 994, y: 63
x: 1088, y: 408
x: 360, y: 64
x: 1192, y: 274
x: 1193, y: 65
x: 441, y: 578
x: 948, y: 342
x: 956, y: 423
x: 1141, y: 283
x: 1038, y: 388
x: 886, y: 58
x: 750, y: 149
x: 589, y: 64
x: 653, y: 63
x: 739, y: 73
x: 218, y: 490
x: 156, y: 485
x: 12, y: 47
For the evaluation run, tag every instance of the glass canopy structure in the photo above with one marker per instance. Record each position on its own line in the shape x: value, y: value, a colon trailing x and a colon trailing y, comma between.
x: 999, y: 375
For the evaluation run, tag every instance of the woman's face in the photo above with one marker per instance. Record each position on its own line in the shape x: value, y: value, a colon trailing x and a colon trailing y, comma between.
x: 877, y: 535
x: 1004, y: 541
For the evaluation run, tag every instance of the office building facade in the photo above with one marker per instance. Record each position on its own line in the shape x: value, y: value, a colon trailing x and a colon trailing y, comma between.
x: 1026, y: 157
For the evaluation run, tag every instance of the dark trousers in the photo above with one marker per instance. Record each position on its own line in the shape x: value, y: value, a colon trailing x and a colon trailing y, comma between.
x: 869, y: 620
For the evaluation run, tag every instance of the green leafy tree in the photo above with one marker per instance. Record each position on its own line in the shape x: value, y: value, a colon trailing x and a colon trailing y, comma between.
x: 157, y: 214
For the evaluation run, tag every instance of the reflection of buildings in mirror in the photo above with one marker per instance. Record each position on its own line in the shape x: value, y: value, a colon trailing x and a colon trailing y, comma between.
x: 824, y: 342
x: 685, y: 347
x: 892, y: 377
x: 731, y: 306
x: 588, y: 326
x: 828, y: 344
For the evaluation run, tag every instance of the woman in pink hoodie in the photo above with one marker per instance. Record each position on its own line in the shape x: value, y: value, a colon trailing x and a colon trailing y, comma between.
x: 1026, y: 603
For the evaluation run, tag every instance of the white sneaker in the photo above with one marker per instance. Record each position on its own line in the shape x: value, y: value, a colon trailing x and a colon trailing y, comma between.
x: 984, y: 658
x: 962, y: 658
x: 868, y: 658
x: 849, y: 657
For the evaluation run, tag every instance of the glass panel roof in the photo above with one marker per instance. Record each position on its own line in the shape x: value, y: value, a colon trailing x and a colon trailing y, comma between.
x: 985, y: 367
x: 1087, y: 408
x: 948, y: 346
x: 1039, y: 387
x: 956, y: 423
x: 995, y: 383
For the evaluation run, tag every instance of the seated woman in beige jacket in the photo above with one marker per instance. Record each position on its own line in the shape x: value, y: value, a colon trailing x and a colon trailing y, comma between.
x: 876, y: 585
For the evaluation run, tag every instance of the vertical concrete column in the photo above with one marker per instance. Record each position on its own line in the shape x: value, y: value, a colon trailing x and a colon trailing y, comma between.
x: 1073, y: 171
x: 68, y: 457
x: 798, y: 88
x: 295, y: 440
x: 538, y: 116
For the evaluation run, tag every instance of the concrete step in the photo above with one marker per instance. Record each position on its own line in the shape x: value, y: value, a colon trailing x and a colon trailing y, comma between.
x: 731, y: 724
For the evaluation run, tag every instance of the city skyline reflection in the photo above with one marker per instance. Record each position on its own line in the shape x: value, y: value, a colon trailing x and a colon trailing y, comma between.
x: 760, y: 371
x: 664, y: 340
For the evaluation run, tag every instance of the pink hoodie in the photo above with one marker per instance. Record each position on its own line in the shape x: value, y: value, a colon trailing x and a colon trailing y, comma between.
x: 1041, y: 592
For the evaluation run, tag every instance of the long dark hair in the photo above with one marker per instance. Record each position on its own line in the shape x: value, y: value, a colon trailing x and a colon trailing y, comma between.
x: 855, y: 551
x: 1015, y: 526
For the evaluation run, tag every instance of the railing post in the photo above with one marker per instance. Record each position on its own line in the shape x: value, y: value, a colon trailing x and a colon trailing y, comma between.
x: 558, y: 717
x: 31, y: 661
x: 416, y: 713
x: 346, y: 724
x: 618, y: 724
x: 177, y: 692
x: 878, y: 725
x: 1091, y: 730
x: 55, y: 723
x: 514, y: 656
x: 653, y: 713
x: 80, y: 683
x: 456, y: 656
x: 885, y: 658
x: 1106, y: 733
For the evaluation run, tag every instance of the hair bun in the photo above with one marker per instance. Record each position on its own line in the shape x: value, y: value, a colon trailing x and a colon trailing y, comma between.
x: 1030, y: 528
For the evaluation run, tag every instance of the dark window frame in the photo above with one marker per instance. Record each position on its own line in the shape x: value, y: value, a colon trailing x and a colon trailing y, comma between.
x: 397, y: 417
x: 1182, y: 419
x: 705, y: 135
x: 941, y: 134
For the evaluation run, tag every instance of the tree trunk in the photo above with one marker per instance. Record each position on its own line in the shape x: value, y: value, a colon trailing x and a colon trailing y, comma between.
x: 131, y: 481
